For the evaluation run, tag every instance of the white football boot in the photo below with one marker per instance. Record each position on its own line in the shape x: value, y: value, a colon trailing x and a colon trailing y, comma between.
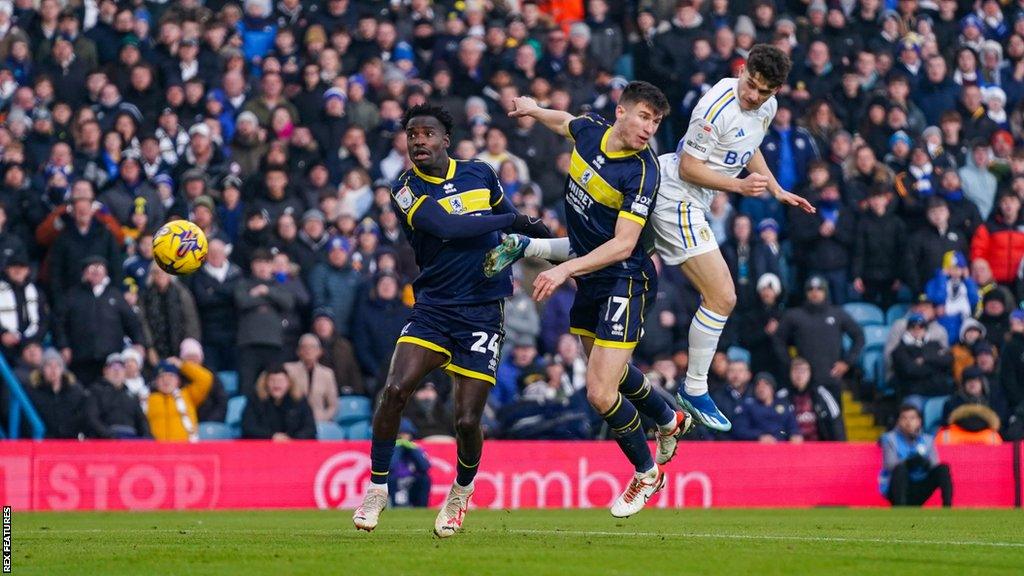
x: 640, y: 489
x: 374, y: 502
x: 668, y: 440
x: 453, y: 512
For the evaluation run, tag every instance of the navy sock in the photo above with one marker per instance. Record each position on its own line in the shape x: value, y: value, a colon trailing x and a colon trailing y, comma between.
x: 380, y: 460
x: 466, y: 468
x: 624, y: 421
x: 638, y: 390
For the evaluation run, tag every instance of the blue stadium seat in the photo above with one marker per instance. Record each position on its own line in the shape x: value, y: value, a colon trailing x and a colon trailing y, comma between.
x: 329, y: 431
x: 872, y: 365
x: 865, y: 314
x: 738, y: 354
x: 352, y: 409
x: 236, y: 406
x: 875, y: 335
x: 895, y: 312
x: 933, y: 413
x: 216, y: 431
x: 359, y: 431
x: 229, y: 380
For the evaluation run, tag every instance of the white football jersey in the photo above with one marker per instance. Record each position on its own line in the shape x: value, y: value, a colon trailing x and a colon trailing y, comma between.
x: 721, y: 134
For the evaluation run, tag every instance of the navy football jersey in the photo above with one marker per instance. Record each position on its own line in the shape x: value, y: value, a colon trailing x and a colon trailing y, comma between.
x: 603, y: 186
x: 452, y: 271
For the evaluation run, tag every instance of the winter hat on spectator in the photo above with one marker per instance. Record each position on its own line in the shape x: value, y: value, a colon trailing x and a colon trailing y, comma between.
x: 166, y: 367
x: 313, y: 214
x: 817, y: 6
x: 972, y: 373
x: 339, y: 243
x: 769, y: 280
x: 51, y: 355
x: 768, y: 224
x: 324, y: 312
x: 193, y: 174
x: 953, y: 259
x: 972, y: 324
x: 190, y: 348
x: 767, y: 378
x: 367, y: 225
x: 244, y: 117
x: 402, y: 52
x: 335, y: 93
x: 115, y: 358
x: 261, y: 255
x: 900, y: 136
x: 199, y: 128
x: 1017, y: 315
x: 41, y: 113
x: 131, y: 354
x: 580, y: 29
x: 164, y: 179
x: 230, y: 181
x: 817, y: 282
x: 19, y: 258
x: 206, y: 202
x: 90, y: 260
x: 744, y: 25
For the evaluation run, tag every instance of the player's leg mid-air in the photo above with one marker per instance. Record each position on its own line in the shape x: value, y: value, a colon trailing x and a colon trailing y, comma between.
x: 452, y: 213
x: 722, y: 138
x: 611, y: 187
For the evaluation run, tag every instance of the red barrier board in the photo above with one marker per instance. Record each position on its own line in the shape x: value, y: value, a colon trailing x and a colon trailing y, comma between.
x: 101, y: 475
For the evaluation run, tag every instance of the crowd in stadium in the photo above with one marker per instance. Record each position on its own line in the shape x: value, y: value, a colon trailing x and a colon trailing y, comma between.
x: 276, y: 127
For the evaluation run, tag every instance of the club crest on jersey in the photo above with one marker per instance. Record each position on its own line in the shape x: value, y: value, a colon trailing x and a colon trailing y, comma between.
x: 586, y: 176
x: 404, y: 198
x: 599, y: 161
x: 705, y: 234
x: 449, y: 188
x: 457, y: 206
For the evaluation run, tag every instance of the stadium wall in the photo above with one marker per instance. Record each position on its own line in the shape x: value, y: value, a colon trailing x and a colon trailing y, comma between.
x: 99, y: 475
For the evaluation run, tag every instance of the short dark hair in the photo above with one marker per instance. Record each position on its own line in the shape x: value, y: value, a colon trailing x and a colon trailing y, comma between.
x: 638, y: 92
x: 770, y: 63
x: 438, y: 112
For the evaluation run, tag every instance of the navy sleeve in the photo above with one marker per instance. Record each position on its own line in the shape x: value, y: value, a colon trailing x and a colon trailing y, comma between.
x: 428, y: 216
x: 588, y: 121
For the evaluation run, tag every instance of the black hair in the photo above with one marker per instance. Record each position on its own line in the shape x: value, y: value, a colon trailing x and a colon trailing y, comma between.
x: 644, y: 92
x: 437, y: 112
x: 770, y: 63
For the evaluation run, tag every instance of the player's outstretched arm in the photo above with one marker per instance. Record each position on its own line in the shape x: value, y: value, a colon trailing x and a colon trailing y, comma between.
x: 428, y: 216
x: 627, y: 233
x: 758, y: 165
x: 555, y: 120
x: 697, y: 172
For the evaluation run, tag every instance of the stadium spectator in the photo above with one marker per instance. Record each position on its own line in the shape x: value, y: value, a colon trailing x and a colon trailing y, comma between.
x: 262, y: 305
x: 765, y: 417
x: 977, y: 389
x: 378, y: 323
x: 93, y: 321
x: 730, y: 398
x: 214, y: 407
x: 911, y: 471
x: 134, y: 381
x: 278, y: 410
x: 816, y: 330
x: 168, y: 314
x: 878, y: 261
x: 929, y: 245
x: 213, y: 288
x: 429, y: 413
x: 334, y: 284
x: 522, y: 360
x: 818, y: 415
x: 286, y: 276
x: 409, y: 482
x: 953, y: 292
x: 24, y: 315
x: 119, y: 414
x: 823, y: 241
x: 922, y: 368
x: 757, y: 325
x: 339, y: 355
x: 1011, y: 368
x: 172, y: 408
x: 1000, y: 240
x: 313, y: 380
x: 971, y: 332
x: 62, y: 404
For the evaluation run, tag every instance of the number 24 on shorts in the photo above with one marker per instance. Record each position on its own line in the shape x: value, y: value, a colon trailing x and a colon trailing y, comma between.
x: 483, y: 346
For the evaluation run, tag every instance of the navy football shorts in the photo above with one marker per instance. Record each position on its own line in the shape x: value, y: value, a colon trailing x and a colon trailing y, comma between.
x: 611, y: 310
x: 470, y: 335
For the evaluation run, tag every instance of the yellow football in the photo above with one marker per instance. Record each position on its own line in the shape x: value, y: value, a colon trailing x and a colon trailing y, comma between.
x: 179, y: 247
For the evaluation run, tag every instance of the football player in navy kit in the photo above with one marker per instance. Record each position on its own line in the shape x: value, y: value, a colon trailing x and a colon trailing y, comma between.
x: 452, y: 212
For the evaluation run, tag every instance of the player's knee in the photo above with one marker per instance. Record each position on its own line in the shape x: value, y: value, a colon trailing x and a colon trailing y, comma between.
x: 397, y: 390
x: 467, y: 424
x: 722, y: 302
x: 602, y: 400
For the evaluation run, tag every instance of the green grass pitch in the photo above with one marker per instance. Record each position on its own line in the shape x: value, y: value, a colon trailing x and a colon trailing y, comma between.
x: 591, y: 542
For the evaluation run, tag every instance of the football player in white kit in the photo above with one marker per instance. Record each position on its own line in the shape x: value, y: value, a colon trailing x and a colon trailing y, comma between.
x: 723, y: 137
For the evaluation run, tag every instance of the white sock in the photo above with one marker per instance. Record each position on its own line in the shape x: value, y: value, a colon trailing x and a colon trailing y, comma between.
x: 705, y: 329
x: 550, y: 249
x: 651, y: 472
x: 462, y: 488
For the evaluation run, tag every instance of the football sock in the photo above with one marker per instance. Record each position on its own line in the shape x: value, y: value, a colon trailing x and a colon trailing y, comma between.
x: 638, y: 390
x: 551, y: 249
x: 705, y: 329
x: 624, y: 421
x: 380, y: 460
x: 465, y: 468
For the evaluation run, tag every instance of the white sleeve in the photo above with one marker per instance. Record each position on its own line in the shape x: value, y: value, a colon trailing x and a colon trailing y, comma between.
x: 702, y: 135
